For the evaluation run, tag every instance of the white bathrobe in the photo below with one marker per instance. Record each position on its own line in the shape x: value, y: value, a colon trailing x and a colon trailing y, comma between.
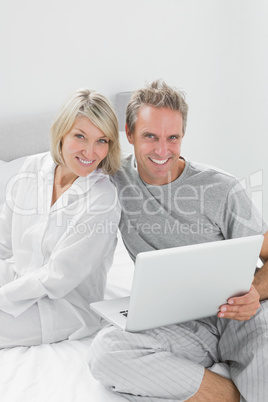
x: 56, y: 257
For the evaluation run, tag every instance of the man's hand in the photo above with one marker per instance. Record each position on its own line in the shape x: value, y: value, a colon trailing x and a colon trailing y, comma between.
x: 241, y: 308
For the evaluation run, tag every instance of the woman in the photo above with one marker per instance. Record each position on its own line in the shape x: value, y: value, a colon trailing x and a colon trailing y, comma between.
x: 58, y: 228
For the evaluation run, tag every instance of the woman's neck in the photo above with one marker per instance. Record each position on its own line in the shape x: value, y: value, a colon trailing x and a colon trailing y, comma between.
x: 62, y: 181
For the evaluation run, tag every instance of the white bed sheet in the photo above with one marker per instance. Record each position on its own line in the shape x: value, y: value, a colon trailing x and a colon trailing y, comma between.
x: 59, y: 372
x: 50, y: 373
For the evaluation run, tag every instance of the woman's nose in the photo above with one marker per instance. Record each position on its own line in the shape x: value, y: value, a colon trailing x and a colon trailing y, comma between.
x: 88, y: 151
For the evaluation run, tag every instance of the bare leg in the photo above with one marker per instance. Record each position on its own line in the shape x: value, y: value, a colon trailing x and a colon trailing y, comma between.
x: 216, y: 388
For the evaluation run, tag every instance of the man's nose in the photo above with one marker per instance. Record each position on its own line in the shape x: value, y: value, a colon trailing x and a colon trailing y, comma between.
x: 161, y: 148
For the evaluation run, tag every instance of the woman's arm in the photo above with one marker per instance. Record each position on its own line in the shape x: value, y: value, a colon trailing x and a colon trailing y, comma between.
x: 74, y: 259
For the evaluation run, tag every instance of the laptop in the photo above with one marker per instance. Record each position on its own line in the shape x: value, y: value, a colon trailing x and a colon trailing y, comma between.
x: 183, y: 283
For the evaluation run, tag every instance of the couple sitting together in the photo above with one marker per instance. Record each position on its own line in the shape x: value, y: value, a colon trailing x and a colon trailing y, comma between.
x: 50, y: 271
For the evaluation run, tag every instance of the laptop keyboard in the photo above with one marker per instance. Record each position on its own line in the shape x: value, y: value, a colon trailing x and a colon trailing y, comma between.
x: 124, y: 312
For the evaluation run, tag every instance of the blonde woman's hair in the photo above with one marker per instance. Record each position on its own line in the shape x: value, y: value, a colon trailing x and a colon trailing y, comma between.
x: 159, y: 95
x: 99, y: 111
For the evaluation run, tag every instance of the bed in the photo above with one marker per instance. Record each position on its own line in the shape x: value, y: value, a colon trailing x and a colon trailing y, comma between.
x: 53, y: 372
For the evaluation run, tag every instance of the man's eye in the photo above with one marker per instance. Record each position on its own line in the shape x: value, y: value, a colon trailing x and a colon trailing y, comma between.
x: 173, y: 137
x: 150, y: 136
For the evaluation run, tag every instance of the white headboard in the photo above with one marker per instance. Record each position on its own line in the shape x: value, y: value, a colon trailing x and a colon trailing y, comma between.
x: 26, y: 135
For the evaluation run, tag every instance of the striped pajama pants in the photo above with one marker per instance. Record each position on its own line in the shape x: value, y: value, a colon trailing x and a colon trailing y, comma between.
x: 167, y: 363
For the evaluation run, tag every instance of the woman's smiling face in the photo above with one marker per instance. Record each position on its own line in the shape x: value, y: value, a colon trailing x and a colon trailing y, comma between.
x: 83, y: 147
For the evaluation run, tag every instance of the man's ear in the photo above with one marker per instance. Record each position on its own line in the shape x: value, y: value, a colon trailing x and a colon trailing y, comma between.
x: 129, y: 135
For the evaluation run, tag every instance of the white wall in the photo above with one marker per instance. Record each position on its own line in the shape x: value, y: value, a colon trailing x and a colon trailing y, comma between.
x: 216, y: 50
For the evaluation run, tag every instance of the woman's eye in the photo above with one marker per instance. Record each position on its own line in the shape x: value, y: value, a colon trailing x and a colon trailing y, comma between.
x: 103, y: 141
x: 80, y: 136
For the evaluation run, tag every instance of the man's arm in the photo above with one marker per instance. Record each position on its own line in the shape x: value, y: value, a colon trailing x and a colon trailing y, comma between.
x: 244, y: 307
x: 261, y: 277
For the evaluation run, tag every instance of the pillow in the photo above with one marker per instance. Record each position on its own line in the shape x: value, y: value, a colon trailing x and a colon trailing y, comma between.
x: 7, y: 171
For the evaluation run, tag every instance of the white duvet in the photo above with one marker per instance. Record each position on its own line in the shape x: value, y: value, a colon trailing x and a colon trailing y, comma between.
x: 50, y: 373
x: 59, y: 372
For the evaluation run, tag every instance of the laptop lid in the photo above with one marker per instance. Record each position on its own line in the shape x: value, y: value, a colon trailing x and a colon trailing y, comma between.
x: 185, y: 283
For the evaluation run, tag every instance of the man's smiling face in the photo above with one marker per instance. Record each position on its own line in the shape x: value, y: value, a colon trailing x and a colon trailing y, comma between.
x: 157, y: 142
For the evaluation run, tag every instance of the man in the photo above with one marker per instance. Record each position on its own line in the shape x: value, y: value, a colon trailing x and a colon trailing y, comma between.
x: 169, y: 201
